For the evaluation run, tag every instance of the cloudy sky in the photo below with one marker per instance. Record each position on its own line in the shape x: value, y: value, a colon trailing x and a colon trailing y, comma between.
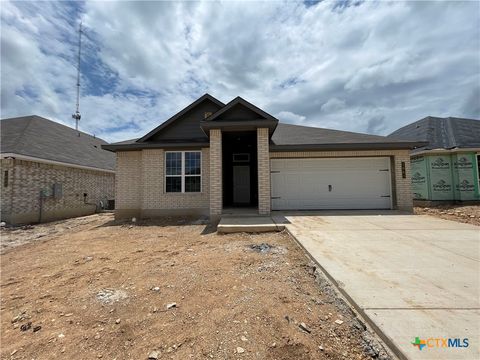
x: 364, y: 66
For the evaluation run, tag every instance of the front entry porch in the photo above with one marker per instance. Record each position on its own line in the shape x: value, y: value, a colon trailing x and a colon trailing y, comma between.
x: 239, y: 167
x: 239, y: 172
x: 239, y: 157
x: 249, y: 224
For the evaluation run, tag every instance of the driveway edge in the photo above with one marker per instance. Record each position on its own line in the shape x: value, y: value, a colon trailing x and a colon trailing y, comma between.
x: 383, y: 339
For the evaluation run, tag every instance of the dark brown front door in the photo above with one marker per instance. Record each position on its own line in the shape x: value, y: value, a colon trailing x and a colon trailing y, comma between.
x: 241, y: 184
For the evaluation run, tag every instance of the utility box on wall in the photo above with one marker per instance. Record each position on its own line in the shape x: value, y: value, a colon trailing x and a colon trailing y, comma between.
x: 57, y: 190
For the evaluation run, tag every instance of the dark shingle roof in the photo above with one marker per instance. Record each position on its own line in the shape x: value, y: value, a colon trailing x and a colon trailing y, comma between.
x: 299, y: 138
x: 442, y: 133
x: 287, y: 135
x: 42, y: 138
x: 283, y: 136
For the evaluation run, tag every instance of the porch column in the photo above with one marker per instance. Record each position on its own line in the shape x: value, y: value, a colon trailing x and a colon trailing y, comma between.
x: 263, y: 154
x: 403, y: 185
x: 216, y: 193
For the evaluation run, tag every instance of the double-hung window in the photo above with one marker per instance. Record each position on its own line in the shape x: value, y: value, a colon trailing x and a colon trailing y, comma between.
x: 183, y: 171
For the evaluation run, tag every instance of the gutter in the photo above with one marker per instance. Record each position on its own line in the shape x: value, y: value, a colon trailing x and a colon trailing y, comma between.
x: 140, y: 146
x: 51, y: 162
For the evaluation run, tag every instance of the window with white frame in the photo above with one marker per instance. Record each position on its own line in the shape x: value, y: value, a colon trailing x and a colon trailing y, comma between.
x: 183, y: 171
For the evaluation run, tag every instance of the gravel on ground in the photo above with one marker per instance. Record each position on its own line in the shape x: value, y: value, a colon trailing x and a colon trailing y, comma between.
x: 93, y: 287
x: 469, y: 214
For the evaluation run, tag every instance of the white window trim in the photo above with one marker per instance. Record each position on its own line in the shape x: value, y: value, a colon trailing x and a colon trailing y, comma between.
x: 182, y: 175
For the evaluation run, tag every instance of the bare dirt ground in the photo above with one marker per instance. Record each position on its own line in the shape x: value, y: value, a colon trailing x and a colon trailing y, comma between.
x: 93, y: 288
x: 462, y: 213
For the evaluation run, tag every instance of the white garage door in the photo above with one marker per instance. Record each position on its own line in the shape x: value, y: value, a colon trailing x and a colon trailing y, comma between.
x: 333, y: 183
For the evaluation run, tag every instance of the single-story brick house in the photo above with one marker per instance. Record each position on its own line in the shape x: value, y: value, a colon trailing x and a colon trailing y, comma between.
x: 447, y: 168
x: 50, y: 171
x: 211, y: 157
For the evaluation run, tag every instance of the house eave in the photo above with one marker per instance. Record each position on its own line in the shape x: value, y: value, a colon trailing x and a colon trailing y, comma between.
x: 52, y: 162
x: 345, y: 146
x: 239, y: 125
x: 140, y: 146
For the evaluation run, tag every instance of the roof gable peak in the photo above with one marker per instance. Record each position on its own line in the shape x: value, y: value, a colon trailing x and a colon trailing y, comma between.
x: 178, y: 115
x: 235, y: 103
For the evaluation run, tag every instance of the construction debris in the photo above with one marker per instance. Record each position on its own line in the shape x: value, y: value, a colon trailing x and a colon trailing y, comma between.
x: 154, y: 355
x: 118, y: 284
x: 304, y: 327
x: 26, y: 326
x: 262, y: 248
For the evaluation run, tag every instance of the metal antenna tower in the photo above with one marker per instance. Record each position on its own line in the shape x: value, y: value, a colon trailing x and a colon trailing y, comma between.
x: 77, y: 115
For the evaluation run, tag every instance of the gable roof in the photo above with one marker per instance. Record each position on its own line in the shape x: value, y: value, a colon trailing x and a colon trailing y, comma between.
x: 179, y: 114
x: 284, y: 137
x: 239, y: 101
x: 242, y: 119
x: 37, y: 137
x: 289, y: 137
x: 442, y: 133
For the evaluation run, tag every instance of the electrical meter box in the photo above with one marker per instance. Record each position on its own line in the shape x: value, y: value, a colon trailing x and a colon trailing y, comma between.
x: 57, y: 190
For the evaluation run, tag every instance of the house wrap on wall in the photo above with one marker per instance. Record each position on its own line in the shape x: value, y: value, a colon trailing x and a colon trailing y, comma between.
x: 50, y: 171
x: 448, y: 167
x: 211, y: 157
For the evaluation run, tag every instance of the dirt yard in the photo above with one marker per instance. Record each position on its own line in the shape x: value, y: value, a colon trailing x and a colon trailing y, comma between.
x: 462, y: 213
x: 93, y: 288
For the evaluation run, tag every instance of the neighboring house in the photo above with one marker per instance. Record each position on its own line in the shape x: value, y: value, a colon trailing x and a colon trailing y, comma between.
x: 448, y: 167
x: 211, y: 157
x: 50, y: 171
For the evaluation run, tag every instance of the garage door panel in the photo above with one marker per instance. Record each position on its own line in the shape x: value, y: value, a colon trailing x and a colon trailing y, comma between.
x: 336, y: 183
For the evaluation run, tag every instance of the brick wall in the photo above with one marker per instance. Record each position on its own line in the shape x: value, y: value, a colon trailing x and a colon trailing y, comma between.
x: 140, y: 186
x: 128, y: 181
x: 264, y: 197
x: 21, y: 198
x: 153, y: 193
x: 6, y: 190
x: 216, y: 192
x: 401, y: 187
x: 140, y: 179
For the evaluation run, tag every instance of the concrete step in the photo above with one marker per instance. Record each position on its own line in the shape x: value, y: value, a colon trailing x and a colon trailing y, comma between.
x: 252, y: 224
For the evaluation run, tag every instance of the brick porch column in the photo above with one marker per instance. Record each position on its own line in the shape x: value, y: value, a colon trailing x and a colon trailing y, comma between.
x: 263, y: 155
x: 216, y: 192
x: 403, y: 185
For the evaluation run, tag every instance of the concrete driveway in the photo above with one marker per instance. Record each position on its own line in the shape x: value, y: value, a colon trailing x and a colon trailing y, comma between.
x: 409, y: 275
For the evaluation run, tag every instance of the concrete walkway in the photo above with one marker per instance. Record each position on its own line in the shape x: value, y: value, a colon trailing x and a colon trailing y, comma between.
x: 251, y: 224
x: 411, y: 276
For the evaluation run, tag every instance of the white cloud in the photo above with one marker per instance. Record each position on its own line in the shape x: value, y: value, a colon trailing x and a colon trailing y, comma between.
x: 289, y: 117
x: 371, y: 67
x: 333, y: 104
